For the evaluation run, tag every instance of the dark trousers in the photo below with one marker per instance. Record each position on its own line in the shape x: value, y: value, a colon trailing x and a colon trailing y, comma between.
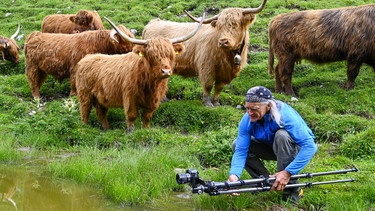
x: 283, y: 150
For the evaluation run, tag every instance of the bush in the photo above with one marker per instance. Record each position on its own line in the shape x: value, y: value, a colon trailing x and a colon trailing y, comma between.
x: 360, y: 145
x: 192, y: 116
x: 331, y: 128
x: 214, y: 149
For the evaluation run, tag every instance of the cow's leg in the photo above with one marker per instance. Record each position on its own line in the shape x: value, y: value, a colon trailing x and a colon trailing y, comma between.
x: 101, y: 113
x: 207, y: 87
x: 85, y: 105
x: 131, y: 113
x: 147, y: 116
x: 36, y: 78
x: 278, y: 84
x: 218, y: 88
x: 73, y: 89
x: 352, y: 72
x: 286, y: 75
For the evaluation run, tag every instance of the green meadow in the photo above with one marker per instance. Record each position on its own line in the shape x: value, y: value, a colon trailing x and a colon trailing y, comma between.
x: 139, y: 169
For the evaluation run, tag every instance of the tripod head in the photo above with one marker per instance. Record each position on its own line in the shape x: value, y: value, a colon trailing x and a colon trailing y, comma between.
x: 191, y: 176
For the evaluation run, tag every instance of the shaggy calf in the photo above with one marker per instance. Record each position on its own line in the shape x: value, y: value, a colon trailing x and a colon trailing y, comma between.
x: 72, y: 23
x: 57, y: 54
x: 133, y: 81
x: 322, y: 36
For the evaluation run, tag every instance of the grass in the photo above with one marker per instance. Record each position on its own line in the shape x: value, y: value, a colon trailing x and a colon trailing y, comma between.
x: 139, y: 168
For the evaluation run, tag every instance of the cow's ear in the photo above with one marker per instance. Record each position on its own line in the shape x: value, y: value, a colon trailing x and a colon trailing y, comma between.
x: 178, y: 48
x: 249, y: 19
x: 71, y: 18
x: 213, y: 23
x: 89, y: 18
x: 139, y: 49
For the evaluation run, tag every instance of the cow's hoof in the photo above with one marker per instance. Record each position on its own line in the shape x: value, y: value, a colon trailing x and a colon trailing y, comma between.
x: 217, y: 104
x: 208, y: 104
x: 129, y: 130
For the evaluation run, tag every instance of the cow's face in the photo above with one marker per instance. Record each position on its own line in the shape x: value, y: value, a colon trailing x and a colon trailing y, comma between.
x: 232, y: 26
x: 83, y: 21
x: 161, y: 54
x: 80, y: 28
x: 10, y: 49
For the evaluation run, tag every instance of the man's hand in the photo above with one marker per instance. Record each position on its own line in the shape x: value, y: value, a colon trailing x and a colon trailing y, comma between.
x: 282, y: 179
x: 233, y: 178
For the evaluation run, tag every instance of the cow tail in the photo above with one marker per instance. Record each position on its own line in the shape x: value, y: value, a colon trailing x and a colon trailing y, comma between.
x: 270, y: 60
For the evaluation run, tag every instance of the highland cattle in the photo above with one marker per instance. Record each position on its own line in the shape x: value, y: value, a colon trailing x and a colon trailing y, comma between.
x: 82, y: 21
x: 133, y: 81
x: 9, y: 50
x: 321, y: 36
x: 57, y: 54
x: 217, y: 53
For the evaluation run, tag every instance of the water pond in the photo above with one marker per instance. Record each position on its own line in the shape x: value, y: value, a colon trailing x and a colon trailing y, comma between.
x: 29, y: 189
x: 23, y: 188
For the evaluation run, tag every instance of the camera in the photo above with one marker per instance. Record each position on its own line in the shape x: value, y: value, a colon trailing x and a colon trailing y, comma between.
x: 190, y: 176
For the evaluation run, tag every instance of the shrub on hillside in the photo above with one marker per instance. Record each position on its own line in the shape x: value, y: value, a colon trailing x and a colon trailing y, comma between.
x: 331, y: 128
x: 214, y: 149
x: 192, y: 116
x: 360, y: 145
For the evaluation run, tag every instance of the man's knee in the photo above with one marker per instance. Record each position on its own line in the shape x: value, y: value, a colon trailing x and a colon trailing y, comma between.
x: 282, y: 135
x: 284, y: 143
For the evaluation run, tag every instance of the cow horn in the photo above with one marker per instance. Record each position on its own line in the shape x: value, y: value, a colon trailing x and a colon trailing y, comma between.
x: 16, y: 33
x: 208, y: 20
x: 254, y: 10
x: 126, y: 37
x: 188, y: 36
x: 144, y: 42
x: 244, y: 11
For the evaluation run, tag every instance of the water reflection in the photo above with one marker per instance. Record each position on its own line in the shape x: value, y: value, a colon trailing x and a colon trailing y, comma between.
x: 7, y: 189
x: 29, y: 189
x: 23, y: 189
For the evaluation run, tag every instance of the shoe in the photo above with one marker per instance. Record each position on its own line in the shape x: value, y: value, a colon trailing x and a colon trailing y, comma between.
x: 292, y: 195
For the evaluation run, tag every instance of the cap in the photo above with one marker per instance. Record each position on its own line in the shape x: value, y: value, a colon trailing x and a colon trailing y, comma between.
x: 258, y: 94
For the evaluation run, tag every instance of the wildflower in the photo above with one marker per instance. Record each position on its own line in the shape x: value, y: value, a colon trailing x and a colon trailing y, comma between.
x: 70, y: 104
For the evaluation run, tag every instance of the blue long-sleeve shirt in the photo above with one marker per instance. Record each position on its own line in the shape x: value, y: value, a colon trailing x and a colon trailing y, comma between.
x: 291, y: 121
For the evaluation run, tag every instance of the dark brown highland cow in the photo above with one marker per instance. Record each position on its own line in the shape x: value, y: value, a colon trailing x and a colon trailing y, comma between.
x: 322, y: 36
x: 217, y: 53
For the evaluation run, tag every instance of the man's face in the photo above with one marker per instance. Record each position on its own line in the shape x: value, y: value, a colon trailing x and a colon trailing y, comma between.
x: 256, y: 111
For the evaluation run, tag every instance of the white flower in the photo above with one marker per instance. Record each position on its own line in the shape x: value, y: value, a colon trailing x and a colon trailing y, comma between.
x: 293, y: 99
x: 70, y: 104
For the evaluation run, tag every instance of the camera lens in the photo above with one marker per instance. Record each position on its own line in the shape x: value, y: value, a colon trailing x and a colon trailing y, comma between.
x: 182, y: 178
